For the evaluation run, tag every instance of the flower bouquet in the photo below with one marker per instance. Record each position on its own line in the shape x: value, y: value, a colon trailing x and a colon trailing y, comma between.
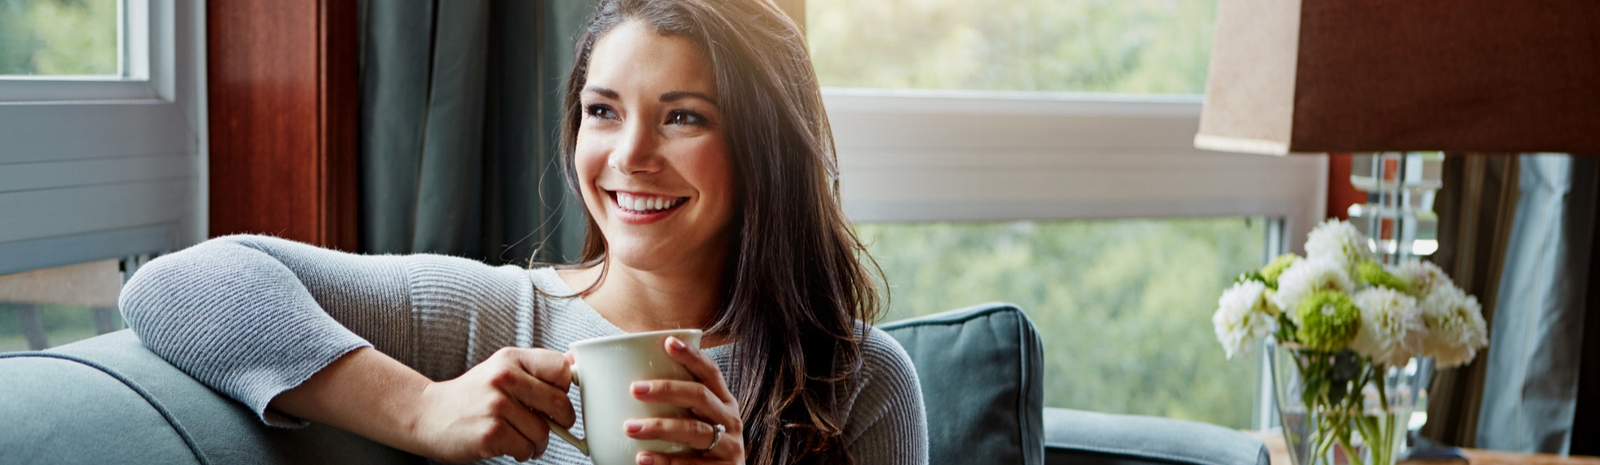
x: 1348, y: 327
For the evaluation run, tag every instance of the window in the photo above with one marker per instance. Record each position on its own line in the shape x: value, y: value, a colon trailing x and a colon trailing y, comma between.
x: 1040, y: 152
x: 54, y: 306
x: 1124, y: 306
x: 61, y: 38
x: 103, y: 155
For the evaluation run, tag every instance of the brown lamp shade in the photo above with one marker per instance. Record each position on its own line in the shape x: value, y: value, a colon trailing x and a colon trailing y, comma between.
x: 1404, y: 75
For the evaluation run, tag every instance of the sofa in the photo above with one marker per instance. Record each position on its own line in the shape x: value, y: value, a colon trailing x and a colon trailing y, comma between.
x: 108, y: 400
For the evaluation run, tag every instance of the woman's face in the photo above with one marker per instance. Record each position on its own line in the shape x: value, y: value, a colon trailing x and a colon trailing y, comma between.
x: 651, y: 153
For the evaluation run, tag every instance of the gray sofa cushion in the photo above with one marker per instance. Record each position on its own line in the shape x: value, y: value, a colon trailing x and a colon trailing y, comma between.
x: 980, y: 369
x: 1089, y: 438
x: 108, y: 400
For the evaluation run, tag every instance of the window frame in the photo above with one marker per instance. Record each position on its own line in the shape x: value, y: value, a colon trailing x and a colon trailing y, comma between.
x: 99, y: 167
x: 145, y: 71
x: 922, y: 156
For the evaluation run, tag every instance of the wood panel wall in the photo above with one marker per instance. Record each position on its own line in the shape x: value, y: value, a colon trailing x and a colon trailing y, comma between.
x: 1341, y: 194
x: 283, y: 119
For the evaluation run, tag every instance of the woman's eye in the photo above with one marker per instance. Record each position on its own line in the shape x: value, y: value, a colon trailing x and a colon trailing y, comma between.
x: 600, y: 111
x: 685, y: 118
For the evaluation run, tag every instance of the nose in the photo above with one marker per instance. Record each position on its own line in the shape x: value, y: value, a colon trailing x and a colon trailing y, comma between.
x: 635, y: 152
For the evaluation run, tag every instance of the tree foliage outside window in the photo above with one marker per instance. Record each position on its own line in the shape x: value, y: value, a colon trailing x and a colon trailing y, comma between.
x: 1118, y: 46
x: 59, y: 38
x: 1123, y: 306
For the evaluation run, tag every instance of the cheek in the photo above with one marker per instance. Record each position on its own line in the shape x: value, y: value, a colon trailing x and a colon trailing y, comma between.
x: 588, y: 160
x: 714, y: 172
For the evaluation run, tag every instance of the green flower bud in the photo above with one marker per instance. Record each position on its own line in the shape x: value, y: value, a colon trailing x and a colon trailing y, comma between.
x: 1270, y: 273
x: 1328, y: 321
x: 1371, y: 273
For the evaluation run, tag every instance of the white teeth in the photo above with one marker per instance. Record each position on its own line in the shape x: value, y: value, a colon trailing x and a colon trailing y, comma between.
x: 644, y: 204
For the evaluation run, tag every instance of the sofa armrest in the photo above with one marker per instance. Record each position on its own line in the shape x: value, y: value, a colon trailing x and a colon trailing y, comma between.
x: 1079, y: 437
x: 107, y: 399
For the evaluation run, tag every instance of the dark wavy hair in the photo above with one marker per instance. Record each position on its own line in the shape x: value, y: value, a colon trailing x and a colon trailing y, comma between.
x: 797, y: 280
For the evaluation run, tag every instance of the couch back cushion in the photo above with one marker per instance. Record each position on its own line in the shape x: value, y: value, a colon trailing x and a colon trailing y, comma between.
x: 981, y: 371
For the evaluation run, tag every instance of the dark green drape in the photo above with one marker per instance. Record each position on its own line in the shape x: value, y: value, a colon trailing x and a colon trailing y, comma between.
x: 460, y: 103
x: 1475, y: 207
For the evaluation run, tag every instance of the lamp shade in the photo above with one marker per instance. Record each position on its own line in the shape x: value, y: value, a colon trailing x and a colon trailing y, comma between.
x: 1404, y: 75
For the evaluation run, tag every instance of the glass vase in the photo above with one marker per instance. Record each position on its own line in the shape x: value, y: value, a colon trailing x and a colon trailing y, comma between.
x: 1324, y: 425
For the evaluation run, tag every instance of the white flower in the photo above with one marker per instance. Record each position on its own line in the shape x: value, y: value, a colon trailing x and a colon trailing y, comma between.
x: 1422, y: 277
x: 1308, y: 276
x: 1243, y: 316
x: 1456, y: 329
x: 1391, y: 326
x: 1338, y: 241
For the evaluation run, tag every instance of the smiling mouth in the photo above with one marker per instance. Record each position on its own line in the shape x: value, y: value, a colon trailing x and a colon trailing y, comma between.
x: 645, y: 204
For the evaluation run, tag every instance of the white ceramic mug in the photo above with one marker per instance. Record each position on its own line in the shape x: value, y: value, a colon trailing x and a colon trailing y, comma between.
x: 610, y: 367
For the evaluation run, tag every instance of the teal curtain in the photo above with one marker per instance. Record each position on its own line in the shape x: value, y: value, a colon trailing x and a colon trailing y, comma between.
x: 460, y: 106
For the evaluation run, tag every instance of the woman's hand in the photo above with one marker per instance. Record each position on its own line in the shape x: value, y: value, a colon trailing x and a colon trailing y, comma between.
x: 707, y: 398
x: 494, y: 409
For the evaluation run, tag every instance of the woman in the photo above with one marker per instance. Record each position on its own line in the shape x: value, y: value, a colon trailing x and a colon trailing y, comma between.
x: 695, y: 134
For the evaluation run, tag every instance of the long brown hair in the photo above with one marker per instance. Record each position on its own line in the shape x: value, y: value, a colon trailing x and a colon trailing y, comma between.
x: 797, y: 280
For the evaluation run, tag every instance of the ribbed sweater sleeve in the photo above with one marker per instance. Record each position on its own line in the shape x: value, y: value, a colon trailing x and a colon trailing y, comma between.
x: 887, y: 422
x: 253, y: 316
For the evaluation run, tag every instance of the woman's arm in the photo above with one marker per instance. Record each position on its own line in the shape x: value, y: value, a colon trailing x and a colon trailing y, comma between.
x: 285, y: 327
x: 239, y: 313
x: 887, y: 424
x: 490, y: 411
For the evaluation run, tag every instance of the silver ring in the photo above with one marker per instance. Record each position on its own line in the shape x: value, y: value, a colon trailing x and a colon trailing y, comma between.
x: 716, y: 436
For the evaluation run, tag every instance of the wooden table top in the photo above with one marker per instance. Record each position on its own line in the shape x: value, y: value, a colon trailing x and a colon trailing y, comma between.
x: 1280, y: 455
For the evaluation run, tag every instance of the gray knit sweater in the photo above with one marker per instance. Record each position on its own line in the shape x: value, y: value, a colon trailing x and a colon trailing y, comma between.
x: 253, y: 316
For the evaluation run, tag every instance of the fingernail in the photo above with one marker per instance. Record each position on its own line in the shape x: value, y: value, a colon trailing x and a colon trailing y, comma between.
x: 646, y: 459
x: 641, y: 387
x: 677, y: 343
x: 633, y: 426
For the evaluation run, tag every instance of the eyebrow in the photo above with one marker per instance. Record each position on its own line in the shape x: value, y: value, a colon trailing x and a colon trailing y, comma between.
x: 666, y: 97
x: 604, y: 92
x: 682, y: 94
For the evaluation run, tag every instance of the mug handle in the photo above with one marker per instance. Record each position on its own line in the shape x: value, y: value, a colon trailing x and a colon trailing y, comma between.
x: 581, y: 444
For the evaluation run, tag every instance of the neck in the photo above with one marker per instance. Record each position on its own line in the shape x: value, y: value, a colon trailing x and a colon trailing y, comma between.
x: 638, y: 300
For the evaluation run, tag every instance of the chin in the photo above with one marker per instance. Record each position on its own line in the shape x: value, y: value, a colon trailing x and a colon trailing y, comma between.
x: 636, y: 256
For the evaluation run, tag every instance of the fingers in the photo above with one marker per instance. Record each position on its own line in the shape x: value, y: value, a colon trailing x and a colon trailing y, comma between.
x: 696, y: 434
x: 528, y: 436
x: 650, y: 458
x: 549, y: 366
x: 701, y: 366
x: 524, y: 384
x: 691, y: 395
x: 692, y: 432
